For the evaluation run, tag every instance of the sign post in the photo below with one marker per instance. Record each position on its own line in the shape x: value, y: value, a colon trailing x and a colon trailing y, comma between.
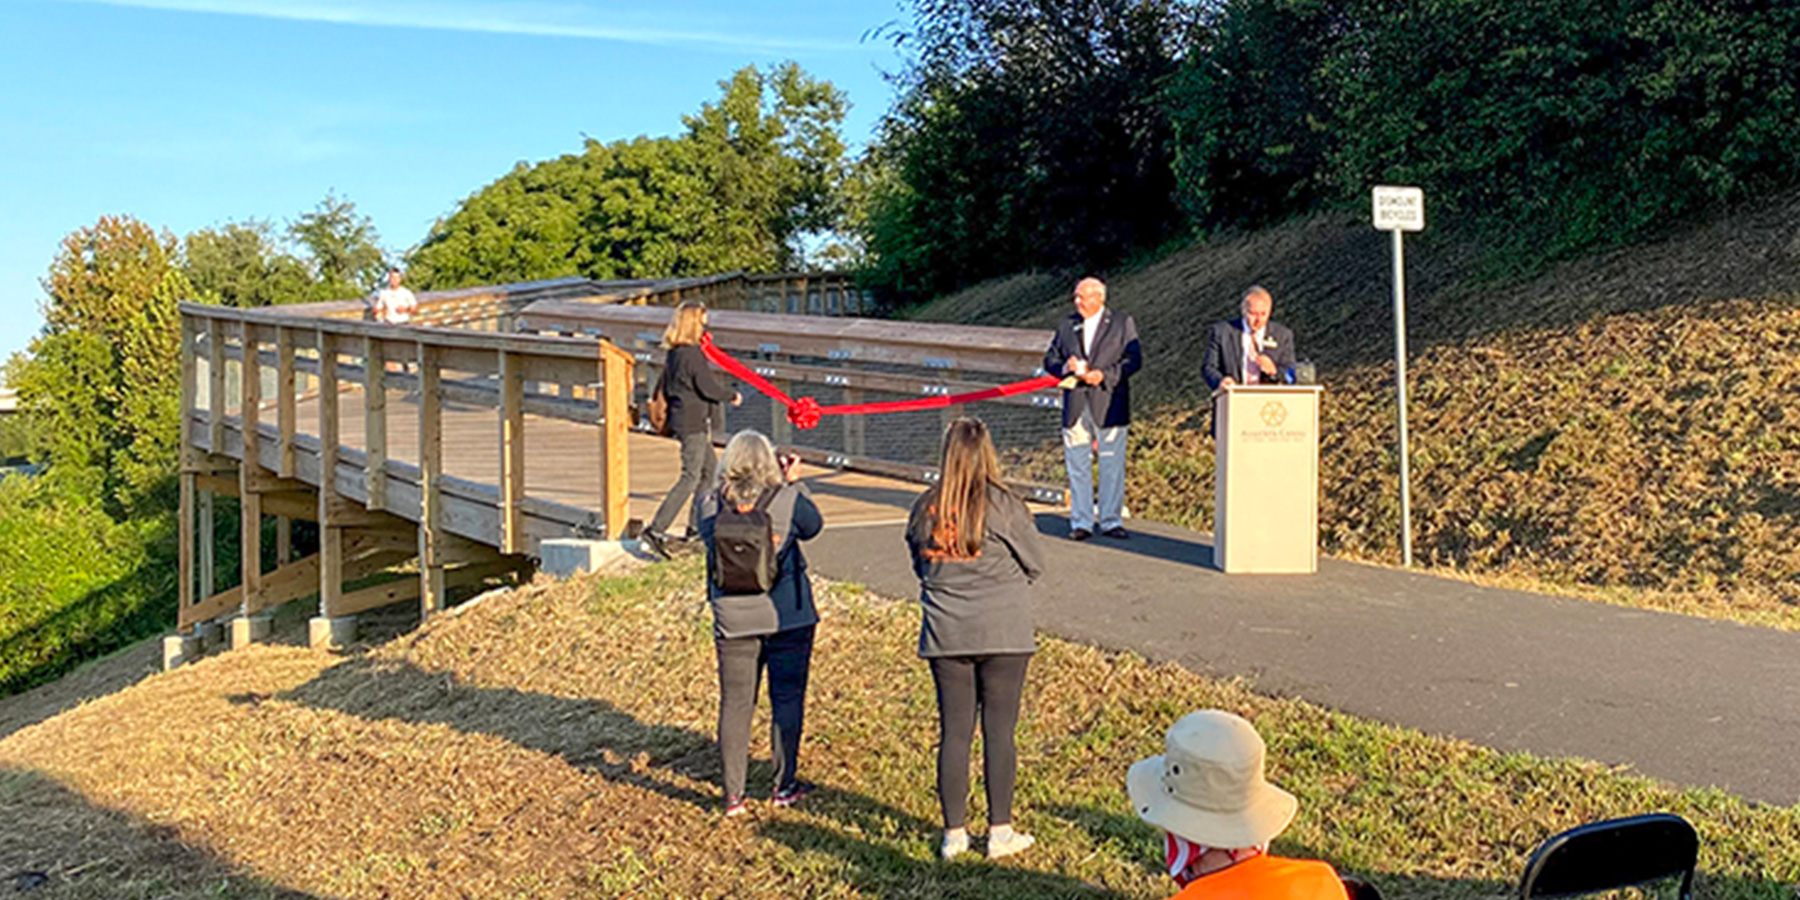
x: 1399, y: 210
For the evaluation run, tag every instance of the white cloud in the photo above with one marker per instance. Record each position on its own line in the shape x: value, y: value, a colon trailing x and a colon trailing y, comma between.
x: 532, y: 19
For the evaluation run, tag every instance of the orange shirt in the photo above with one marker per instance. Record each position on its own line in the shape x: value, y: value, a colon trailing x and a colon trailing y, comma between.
x: 1268, y: 878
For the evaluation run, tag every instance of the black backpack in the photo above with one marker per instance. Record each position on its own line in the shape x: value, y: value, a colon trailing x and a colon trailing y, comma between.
x: 744, y: 552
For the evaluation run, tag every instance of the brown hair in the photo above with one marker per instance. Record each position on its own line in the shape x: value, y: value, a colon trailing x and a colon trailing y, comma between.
x: 959, y: 511
x: 686, y: 326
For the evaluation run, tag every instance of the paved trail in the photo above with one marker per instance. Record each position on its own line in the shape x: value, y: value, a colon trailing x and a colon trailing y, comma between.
x: 1690, y: 700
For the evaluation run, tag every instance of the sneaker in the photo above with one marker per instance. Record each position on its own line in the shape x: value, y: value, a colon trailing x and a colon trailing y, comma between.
x: 654, y: 541
x: 1007, y: 843
x: 1080, y: 534
x: 955, y: 844
x: 735, y: 806
x: 1117, y: 533
x: 791, y: 794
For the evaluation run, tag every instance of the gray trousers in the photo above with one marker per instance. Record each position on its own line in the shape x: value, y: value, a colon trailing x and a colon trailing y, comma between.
x: 787, y: 655
x: 1078, y: 455
x: 699, y: 466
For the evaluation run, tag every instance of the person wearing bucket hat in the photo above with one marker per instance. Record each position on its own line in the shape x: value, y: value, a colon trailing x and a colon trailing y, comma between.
x: 1208, y: 795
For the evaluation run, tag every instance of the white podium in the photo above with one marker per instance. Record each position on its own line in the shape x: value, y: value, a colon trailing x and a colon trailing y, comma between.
x: 1266, y: 479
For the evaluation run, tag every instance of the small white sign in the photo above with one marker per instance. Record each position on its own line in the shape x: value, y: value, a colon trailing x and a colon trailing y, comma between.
x: 1399, y: 209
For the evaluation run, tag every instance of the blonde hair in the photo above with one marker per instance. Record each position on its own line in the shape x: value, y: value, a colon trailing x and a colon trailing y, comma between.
x: 959, y: 511
x: 686, y: 326
x: 748, y: 467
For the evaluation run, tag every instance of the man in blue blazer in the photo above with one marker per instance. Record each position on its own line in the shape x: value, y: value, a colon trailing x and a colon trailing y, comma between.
x: 1098, y: 350
x: 1250, y: 349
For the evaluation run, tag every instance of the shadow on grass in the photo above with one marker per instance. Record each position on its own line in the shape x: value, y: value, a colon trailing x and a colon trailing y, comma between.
x: 597, y: 737
x: 56, y: 844
x: 135, y: 606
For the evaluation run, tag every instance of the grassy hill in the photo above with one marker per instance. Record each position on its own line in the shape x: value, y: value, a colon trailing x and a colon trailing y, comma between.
x: 555, y: 742
x: 1627, y: 424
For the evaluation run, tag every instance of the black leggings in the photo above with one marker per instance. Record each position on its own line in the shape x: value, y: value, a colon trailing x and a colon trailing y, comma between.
x: 995, y: 684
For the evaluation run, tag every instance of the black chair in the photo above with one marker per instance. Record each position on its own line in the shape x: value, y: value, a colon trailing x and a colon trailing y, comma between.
x: 1616, y: 853
x: 1358, y: 889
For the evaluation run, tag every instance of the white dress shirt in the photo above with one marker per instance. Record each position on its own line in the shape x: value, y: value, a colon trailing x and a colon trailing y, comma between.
x: 1090, y: 326
x: 1252, y: 349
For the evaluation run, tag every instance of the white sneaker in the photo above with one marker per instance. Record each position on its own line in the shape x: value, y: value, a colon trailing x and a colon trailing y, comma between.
x: 1007, y: 843
x: 954, y: 845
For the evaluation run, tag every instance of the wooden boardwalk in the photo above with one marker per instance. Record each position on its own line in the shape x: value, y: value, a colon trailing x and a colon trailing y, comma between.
x: 459, y: 445
x: 562, y: 462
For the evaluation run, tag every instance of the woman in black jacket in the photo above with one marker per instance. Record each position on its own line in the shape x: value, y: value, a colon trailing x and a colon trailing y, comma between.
x: 693, y: 393
x: 761, y: 630
x: 975, y: 549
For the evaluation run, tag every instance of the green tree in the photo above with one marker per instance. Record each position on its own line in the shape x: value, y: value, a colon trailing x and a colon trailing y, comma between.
x: 240, y: 264
x: 751, y: 178
x: 1030, y: 133
x: 342, y: 246
x: 100, y: 382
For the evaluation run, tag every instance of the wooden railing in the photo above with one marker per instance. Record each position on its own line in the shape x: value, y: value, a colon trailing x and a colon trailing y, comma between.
x: 317, y: 354
x: 793, y: 293
x: 849, y: 358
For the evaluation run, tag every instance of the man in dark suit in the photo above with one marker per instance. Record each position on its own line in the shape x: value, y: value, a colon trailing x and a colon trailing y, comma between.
x: 1250, y: 349
x: 1098, y: 350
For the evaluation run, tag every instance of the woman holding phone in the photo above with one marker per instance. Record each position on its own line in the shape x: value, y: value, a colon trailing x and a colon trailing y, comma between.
x: 975, y: 549
x: 762, y: 602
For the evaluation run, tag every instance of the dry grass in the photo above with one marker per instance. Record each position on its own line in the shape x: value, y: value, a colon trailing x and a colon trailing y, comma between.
x: 555, y: 742
x: 1617, y: 428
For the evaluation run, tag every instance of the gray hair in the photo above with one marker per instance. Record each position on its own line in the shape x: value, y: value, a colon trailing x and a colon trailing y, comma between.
x: 1255, y: 291
x: 748, y: 467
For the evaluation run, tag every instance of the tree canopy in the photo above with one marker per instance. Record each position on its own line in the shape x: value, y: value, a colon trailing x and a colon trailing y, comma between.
x: 749, y: 178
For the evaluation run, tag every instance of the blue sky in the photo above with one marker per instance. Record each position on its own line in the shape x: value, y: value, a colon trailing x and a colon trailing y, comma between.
x: 190, y: 113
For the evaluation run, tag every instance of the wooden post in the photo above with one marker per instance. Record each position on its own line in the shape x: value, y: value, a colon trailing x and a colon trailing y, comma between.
x: 855, y: 430
x: 431, y: 474
x: 215, y: 349
x: 249, y: 498
x: 375, y: 422
x: 284, y: 402
x: 512, y: 450
x: 185, y: 552
x: 615, y: 421
x: 284, y: 541
x: 331, y: 535
x: 206, y: 544
x: 184, y: 525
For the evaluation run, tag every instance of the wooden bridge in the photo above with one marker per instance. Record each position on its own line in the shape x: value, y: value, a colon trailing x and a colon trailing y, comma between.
x: 502, y: 418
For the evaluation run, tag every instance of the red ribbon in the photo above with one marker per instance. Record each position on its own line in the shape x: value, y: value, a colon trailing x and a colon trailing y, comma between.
x: 806, y: 412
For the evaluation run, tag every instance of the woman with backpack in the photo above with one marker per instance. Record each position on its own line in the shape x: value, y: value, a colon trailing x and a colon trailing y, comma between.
x: 762, y: 603
x: 691, y: 393
x: 975, y: 549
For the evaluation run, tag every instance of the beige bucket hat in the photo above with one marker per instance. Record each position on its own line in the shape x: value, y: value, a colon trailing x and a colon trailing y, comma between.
x: 1208, y: 785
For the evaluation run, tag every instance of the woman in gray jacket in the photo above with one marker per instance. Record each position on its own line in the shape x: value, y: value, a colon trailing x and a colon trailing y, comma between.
x: 975, y: 549
x: 758, y: 630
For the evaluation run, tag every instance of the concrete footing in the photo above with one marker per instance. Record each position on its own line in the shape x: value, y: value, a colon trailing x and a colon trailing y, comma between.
x: 247, y: 630
x: 330, y: 634
x: 562, y: 557
x: 179, y: 650
x: 212, y: 636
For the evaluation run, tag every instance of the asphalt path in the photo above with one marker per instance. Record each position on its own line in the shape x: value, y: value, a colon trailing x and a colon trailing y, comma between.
x: 1693, y: 701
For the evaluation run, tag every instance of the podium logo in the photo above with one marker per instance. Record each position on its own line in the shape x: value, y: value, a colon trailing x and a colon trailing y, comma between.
x: 1274, y: 413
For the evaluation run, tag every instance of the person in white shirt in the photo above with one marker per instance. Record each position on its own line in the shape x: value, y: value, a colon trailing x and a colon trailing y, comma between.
x: 394, y: 304
x: 1251, y: 349
x: 1098, y: 350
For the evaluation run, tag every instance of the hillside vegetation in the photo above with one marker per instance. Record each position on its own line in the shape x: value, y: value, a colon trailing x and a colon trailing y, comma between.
x: 1625, y: 422
x: 555, y: 742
